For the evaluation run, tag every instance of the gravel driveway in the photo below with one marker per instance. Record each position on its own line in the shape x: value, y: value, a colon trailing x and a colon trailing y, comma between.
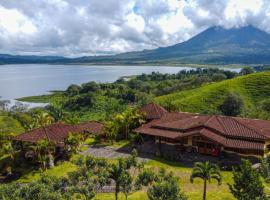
x: 109, y: 152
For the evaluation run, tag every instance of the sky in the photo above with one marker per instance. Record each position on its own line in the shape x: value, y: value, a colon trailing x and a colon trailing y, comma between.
x: 74, y: 28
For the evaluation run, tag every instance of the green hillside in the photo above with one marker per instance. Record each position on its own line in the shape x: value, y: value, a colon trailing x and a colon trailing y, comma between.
x: 253, y: 88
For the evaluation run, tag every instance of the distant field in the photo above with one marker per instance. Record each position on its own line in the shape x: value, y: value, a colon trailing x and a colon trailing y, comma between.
x: 253, y: 88
x: 42, y: 98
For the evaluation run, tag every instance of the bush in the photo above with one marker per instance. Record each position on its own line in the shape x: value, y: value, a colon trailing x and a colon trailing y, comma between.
x: 232, y: 105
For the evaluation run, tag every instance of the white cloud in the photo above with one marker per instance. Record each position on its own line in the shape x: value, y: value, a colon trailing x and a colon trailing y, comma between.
x: 12, y: 21
x: 79, y: 27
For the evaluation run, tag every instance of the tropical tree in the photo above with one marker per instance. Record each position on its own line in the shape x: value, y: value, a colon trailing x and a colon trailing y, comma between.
x: 5, y: 138
x: 111, y: 130
x: 42, y: 120
x: 56, y: 111
x: 166, y: 188
x: 73, y: 142
x: 10, y: 152
x: 122, y: 124
x: 132, y: 119
x: 116, y: 170
x: 119, y: 171
x: 94, y: 169
x: 44, y: 150
x: 146, y: 178
x: 247, y: 183
x: 206, y: 171
x: 126, y: 183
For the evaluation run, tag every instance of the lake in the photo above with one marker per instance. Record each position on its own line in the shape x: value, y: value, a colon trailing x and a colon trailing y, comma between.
x: 36, y: 79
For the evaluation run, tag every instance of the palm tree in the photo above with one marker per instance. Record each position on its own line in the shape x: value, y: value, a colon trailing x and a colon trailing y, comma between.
x: 132, y: 119
x: 43, y: 150
x: 111, y: 130
x: 42, y: 120
x: 206, y: 171
x: 11, y: 153
x: 73, y: 142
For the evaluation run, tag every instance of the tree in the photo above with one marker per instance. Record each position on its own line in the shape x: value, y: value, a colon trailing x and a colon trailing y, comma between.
x: 57, y: 112
x: 43, y: 119
x: 247, y: 183
x: 247, y: 70
x: 46, y: 188
x: 118, y: 171
x: 232, y: 105
x: 73, y: 90
x: 126, y: 183
x: 73, y: 142
x: 265, y: 105
x: 111, y: 130
x: 10, y: 152
x: 145, y: 178
x: 265, y: 168
x: 206, y: 171
x: 44, y: 150
x: 165, y: 188
x: 122, y: 124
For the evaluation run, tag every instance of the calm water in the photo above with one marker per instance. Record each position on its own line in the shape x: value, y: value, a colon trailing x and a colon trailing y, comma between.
x: 27, y: 80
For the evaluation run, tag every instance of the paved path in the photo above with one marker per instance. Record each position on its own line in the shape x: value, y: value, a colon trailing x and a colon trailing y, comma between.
x: 109, y: 152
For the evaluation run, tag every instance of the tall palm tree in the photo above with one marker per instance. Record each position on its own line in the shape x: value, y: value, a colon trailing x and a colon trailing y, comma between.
x: 43, y: 119
x: 43, y: 149
x: 206, y: 171
x: 11, y: 153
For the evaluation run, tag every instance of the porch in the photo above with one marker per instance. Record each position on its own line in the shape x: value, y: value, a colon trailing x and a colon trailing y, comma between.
x: 190, y: 150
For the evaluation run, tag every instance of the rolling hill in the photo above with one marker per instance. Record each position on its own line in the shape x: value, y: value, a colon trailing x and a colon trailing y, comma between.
x: 206, y: 99
x: 215, y: 45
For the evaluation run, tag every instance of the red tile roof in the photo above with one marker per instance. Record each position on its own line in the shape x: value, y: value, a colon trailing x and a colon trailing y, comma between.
x: 58, y: 132
x: 92, y: 127
x: 153, y: 111
x: 231, y: 132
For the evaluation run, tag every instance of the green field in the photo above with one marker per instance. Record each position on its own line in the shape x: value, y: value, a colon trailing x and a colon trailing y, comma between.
x: 193, y: 191
x: 10, y: 125
x: 206, y: 99
x: 48, y: 98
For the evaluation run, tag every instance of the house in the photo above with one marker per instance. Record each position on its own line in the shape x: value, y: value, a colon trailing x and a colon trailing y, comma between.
x: 212, y: 135
x: 58, y: 132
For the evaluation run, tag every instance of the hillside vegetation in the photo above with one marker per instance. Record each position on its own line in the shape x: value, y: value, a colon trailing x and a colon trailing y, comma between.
x: 206, y: 99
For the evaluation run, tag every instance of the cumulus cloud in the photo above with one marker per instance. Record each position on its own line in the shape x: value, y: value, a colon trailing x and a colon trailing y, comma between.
x: 94, y: 27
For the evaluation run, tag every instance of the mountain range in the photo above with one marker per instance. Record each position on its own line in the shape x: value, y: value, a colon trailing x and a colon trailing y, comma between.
x: 215, y: 45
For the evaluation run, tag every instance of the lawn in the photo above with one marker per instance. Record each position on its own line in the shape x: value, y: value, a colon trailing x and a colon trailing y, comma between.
x: 58, y: 171
x: 193, y: 191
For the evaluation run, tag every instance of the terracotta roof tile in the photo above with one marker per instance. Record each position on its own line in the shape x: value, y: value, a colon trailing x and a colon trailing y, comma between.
x: 153, y: 111
x: 58, y: 132
x: 230, y: 132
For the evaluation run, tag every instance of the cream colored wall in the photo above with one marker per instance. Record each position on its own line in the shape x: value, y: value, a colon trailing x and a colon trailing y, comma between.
x: 266, y: 150
x: 189, y: 141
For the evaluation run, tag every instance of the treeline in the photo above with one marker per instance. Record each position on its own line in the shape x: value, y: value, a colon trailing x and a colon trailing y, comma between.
x: 106, y: 99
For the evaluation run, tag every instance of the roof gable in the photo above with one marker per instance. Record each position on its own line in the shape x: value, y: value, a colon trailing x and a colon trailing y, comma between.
x: 153, y: 111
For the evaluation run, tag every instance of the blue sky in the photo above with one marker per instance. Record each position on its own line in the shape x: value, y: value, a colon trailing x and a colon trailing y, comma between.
x: 95, y: 27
